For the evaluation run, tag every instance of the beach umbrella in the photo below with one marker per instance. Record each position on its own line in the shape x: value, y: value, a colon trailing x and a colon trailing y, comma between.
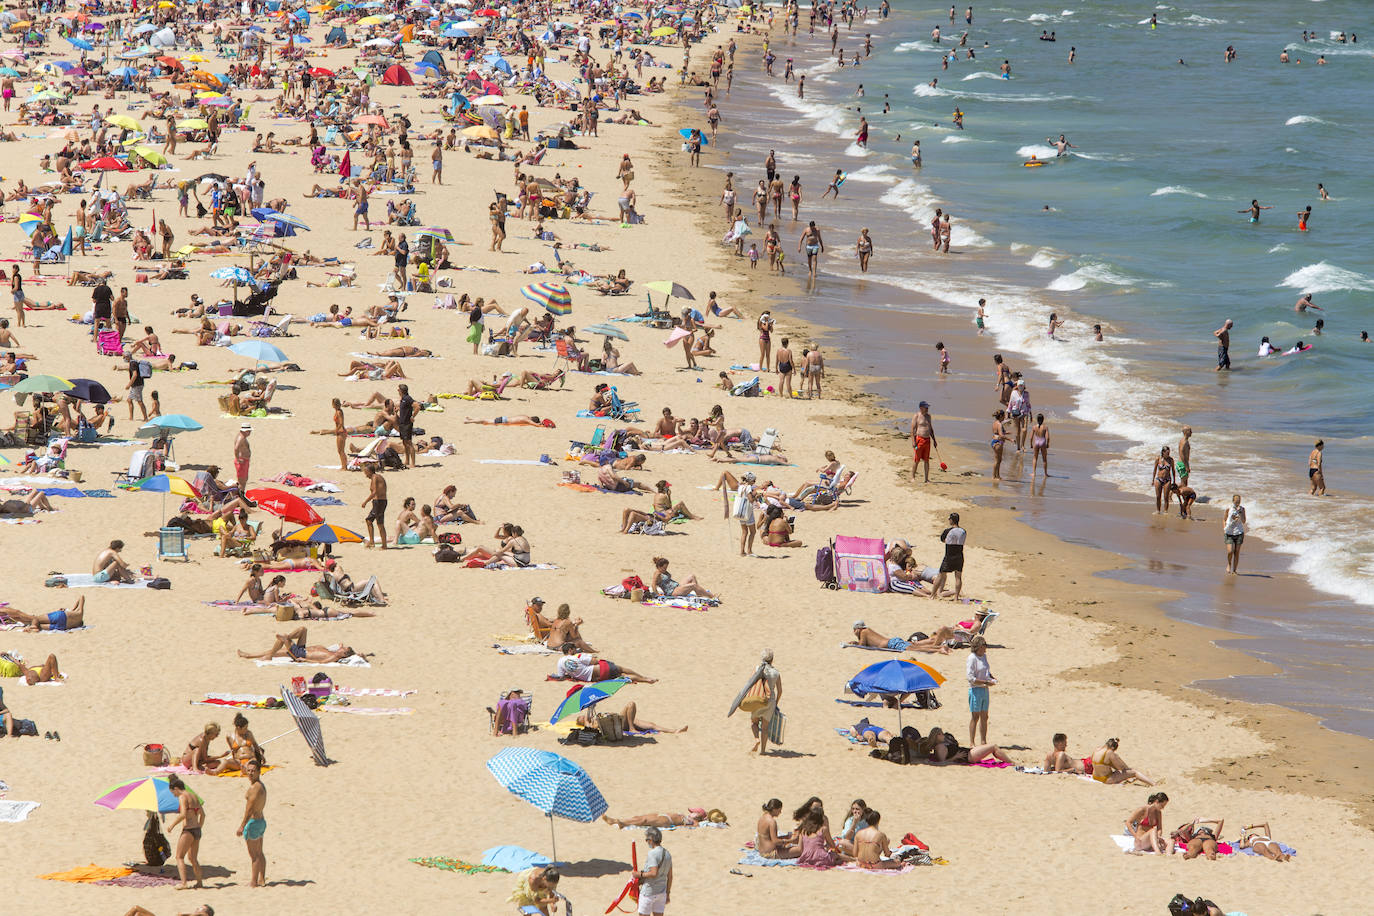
x: 220, y: 102
x: 67, y: 243
x: 585, y: 695
x: 105, y: 164
x: 663, y: 30
x: 8, y: 71
x: 260, y: 350
x: 308, y: 724
x: 29, y: 222
x: 124, y: 72
x: 276, y: 216
x: 480, y: 132
x: 44, y: 95
x: 324, y: 534
x: 686, y: 133
x: 491, y: 14
x: 86, y: 389
x: 167, y: 425
x: 489, y: 100
x: 122, y: 120
x: 435, y: 232
x: 320, y: 71
x: 239, y: 275
x: 605, y: 330
x: 371, y: 119
x: 287, y: 506
x: 670, y: 289
x: 148, y: 154
x: 41, y: 384
x: 553, y: 296
x: 81, y: 43
x: 146, y: 793
x: 167, y: 483
x: 893, y: 678
x: 550, y: 782
x: 193, y: 124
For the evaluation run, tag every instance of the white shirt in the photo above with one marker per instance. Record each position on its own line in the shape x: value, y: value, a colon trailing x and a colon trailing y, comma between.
x: 978, y: 669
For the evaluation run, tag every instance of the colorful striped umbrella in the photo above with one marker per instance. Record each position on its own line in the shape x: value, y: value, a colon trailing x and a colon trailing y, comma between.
x: 146, y: 793
x: 325, y: 534
x: 29, y: 222
x: 552, y: 783
x: 553, y: 296
x: 585, y: 695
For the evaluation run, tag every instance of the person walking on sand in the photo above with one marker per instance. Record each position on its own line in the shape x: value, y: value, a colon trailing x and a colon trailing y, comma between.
x: 979, y: 680
x: 656, y: 877
x: 743, y: 512
x: 254, y: 823
x: 376, y: 495
x: 813, y: 369
x: 760, y: 698
x: 1223, y: 336
x: 243, y: 456
x: 1314, y: 469
x: 922, y: 439
x: 953, y: 538
x: 1233, y: 530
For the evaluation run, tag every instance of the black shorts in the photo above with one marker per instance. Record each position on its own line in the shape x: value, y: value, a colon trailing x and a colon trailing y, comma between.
x: 406, y: 432
x: 952, y: 564
x: 378, y: 513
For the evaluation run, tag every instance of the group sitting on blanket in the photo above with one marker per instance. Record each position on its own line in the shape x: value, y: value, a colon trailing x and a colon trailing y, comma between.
x: 938, y: 747
x: 812, y: 844
x: 242, y: 746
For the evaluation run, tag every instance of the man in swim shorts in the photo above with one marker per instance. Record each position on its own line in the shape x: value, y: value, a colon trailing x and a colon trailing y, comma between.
x: 254, y: 823
x: 243, y: 454
x: 922, y: 439
x: 872, y: 639
x: 1223, y: 336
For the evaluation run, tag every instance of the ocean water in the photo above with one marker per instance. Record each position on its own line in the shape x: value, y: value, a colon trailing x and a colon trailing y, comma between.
x: 1141, y: 235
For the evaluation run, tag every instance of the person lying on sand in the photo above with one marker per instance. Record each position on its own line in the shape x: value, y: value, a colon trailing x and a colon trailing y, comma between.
x: 275, y: 595
x: 62, y: 619
x: 608, y: 479
x: 292, y: 645
x: 941, y: 749
x: 866, y: 636
x: 513, y: 421
x: 1059, y: 760
x: 361, y: 370
x: 587, y: 719
x: 693, y: 817
x: 1257, y: 837
x: 406, y: 352
x: 866, y: 731
x: 204, y: 909
x: 589, y: 669
x: 12, y: 666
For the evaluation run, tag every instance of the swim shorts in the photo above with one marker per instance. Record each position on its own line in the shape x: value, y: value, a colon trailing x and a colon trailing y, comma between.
x: 102, y: 576
x: 922, y: 449
x: 607, y: 670
x: 241, y: 468
x: 378, y: 513
x: 57, y: 620
x: 897, y: 643
x: 1236, y: 539
x: 977, y: 699
x: 254, y: 828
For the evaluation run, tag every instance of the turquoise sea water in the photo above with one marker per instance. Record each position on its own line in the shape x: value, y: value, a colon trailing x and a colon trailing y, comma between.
x: 1142, y: 236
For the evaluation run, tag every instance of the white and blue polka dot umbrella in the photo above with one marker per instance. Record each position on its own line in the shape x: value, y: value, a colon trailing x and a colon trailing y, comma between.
x: 550, y: 782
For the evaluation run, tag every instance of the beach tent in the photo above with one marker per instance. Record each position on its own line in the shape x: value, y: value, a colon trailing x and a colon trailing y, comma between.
x: 396, y: 75
x: 336, y: 35
x: 435, y: 58
x: 860, y: 564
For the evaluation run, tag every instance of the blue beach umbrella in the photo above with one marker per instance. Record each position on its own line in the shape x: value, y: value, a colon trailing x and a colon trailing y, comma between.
x: 686, y: 133
x: 893, y: 678
x: 81, y: 43
x: 260, y: 350
x: 124, y: 72
x: 584, y: 695
x: 552, y: 783
x: 239, y: 275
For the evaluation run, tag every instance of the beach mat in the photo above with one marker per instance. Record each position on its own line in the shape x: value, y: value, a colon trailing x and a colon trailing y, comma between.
x: 14, y: 812
x: 87, y: 580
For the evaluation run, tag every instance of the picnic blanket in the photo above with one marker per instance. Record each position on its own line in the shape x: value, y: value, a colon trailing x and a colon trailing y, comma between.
x: 686, y: 602
x: 524, y: 649
x: 443, y: 863
x: 87, y: 580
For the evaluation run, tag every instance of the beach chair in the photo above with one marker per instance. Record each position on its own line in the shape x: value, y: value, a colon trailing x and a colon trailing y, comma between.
x: 326, y: 588
x: 750, y: 389
x: 539, y: 632
x: 598, y: 437
x: 368, y: 455
x: 621, y: 410
x: 171, y: 544
x: 860, y: 564
x: 765, y: 443
x: 567, y: 356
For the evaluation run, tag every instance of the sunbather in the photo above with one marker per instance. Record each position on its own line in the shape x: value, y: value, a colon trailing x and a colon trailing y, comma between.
x: 341, y: 583
x: 109, y: 565
x: 608, y: 479
x: 587, y: 719
x: 446, y: 510
x: 1146, y: 825
x: 1109, y: 768
x: 866, y: 731
x: 1199, y: 837
x: 665, y: 584
x: 66, y: 619
x: 514, y: 550
x: 940, y: 749
x: 693, y: 817
x: 776, y: 530
x: 589, y: 669
x: 867, y: 636
x: 13, y: 666
x: 405, y: 352
x: 197, y: 755
x: 361, y: 370
x: 663, y: 510
x: 1059, y: 760
x: 512, y: 421
x: 1257, y: 837
x: 292, y: 645
x: 564, y: 630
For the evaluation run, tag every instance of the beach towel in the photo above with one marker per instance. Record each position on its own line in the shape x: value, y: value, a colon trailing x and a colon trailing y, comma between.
x: 681, y: 826
x: 686, y: 602
x: 531, y: 566
x: 88, y: 874
x: 876, y: 703
x: 443, y: 863
x: 352, y: 661
x: 751, y: 857
x: 87, y: 580
x: 368, y: 710
x: 508, y: 461
x: 324, y: 501
x: 139, y: 879
x: 1250, y: 852
x: 850, y: 645
x: 524, y: 649
x: 371, y: 692
x: 514, y: 858
x: 13, y: 812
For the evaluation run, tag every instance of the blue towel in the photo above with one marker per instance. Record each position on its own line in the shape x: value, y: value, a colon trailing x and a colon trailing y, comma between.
x: 1284, y: 846
x: 514, y: 858
x: 99, y: 494
x: 752, y: 857
x: 876, y: 703
x: 324, y: 501
x: 61, y: 491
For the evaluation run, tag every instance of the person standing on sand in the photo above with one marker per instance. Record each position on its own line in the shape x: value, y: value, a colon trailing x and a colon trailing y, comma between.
x: 1233, y: 529
x: 783, y: 360
x: 656, y: 877
x: 812, y: 243
x: 376, y: 495
x: 1223, y: 336
x: 243, y: 455
x: 254, y: 823
x: 1162, y: 478
x: 760, y: 698
x: 191, y: 816
x: 813, y: 368
x: 1314, y: 469
x: 1185, y: 452
x: 979, y: 680
x: 340, y: 434
x: 953, y: 538
x: 922, y: 439
x: 1040, y: 445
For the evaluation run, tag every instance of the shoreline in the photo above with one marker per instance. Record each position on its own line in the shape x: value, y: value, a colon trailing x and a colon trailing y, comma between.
x: 1293, y: 734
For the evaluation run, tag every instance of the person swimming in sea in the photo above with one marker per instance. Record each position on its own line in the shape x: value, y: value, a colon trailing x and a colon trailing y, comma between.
x: 1303, y: 217
x: 1254, y: 210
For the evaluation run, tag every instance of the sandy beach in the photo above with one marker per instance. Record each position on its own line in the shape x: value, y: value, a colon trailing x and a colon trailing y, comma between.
x: 1074, y: 651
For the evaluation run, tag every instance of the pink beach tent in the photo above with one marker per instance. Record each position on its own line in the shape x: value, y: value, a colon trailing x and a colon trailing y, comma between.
x: 860, y: 564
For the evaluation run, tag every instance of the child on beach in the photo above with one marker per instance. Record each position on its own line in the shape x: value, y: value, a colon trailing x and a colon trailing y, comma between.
x: 754, y: 255
x: 944, y: 358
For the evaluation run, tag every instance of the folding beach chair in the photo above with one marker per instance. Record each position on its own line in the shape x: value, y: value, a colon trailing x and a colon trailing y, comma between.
x: 620, y: 410
x: 171, y: 544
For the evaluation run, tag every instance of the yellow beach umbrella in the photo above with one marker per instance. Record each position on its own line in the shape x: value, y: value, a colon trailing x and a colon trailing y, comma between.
x: 148, y: 154
x: 480, y: 132
x: 662, y: 31
x: 193, y: 124
x: 371, y: 20
x: 195, y: 59
x: 209, y: 94
x: 121, y: 120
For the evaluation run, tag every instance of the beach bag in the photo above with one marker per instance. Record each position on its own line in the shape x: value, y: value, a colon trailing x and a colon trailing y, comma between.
x: 145, y: 369
x: 154, y: 755
x: 630, y: 583
x: 156, y: 849
x: 162, y: 583
x: 825, y: 565
x: 777, y: 727
x: 611, y: 725
x: 756, y: 698
x: 285, y: 612
x: 450, y: 537
x: 446, y: 554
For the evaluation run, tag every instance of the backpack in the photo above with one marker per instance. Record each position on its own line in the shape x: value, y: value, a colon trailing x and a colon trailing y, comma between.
x: 145, y: 369
x: 446, y: 554
x: 825, y: 565
x: 630, y: 583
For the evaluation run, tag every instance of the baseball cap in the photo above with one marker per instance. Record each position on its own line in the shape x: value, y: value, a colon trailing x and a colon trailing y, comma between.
x: 536, y: 601
x: 924, y: 404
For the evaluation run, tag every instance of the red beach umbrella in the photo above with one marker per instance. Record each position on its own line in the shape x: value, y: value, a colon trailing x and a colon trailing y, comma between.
x: 105, y: 164
x: 285, y: 505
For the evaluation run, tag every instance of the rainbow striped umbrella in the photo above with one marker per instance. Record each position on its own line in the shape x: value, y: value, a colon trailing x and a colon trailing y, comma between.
x: 147, y: 793
x: 553, y: 296
x: 325, y: 534
x: 584, y: 695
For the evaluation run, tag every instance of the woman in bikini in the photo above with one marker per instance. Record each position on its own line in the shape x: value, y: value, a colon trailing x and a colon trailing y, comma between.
x: 1108, y: 767
x: 864, y: 248
x: 1040, y: 445
x: 768, y: 842
x: 795, y: 194
x: 192, y: 818
x: 197, y: 756
x: 1144, y: 825
x: 665, y: 584
x: 1257, y: 837
x: 449, y: 511
x: 1199, y: 837
x: 1162, y: 475
x: 663, y: 510
x: 998, y: 442
x: 776, y: 531
x: 693, y: 817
